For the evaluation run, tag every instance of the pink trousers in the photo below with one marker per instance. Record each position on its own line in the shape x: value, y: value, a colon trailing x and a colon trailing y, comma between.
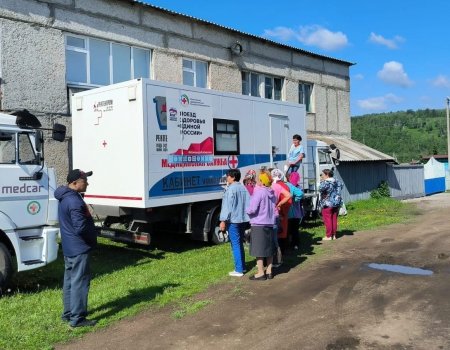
x: 330, y: 216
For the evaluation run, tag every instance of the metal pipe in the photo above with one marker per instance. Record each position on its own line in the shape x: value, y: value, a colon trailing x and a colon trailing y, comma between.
x: 448, y: 141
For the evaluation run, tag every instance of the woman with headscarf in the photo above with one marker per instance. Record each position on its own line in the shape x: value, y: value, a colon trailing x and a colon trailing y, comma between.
x: 262, y: 218
x: 250, y: 181
x: 284, y: 201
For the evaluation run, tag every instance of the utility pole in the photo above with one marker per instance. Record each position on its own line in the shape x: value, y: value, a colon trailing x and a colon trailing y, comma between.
x: 448, y: 144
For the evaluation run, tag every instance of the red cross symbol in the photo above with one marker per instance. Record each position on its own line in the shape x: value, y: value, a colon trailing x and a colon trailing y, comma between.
x: 104, y: 143
x: 232, y: 162
x: 33, y: 208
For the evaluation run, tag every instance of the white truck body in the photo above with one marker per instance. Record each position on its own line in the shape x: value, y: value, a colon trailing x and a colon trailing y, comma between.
x: 155, y: 146
x: 28, y: 209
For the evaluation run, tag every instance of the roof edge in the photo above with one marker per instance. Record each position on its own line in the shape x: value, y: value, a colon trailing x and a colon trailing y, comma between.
x: 305, y: 52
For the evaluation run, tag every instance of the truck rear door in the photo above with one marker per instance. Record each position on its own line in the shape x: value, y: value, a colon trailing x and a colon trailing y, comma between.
x: 279, y: 141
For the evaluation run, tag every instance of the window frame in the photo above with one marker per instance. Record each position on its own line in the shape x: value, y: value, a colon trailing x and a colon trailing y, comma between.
x: 216, y: 121
x: 87, y: 51
x: 194, y: 71
x: 261, y: 81
x: 309, y: 97
x: 14, y: 144
x: 20, y: 142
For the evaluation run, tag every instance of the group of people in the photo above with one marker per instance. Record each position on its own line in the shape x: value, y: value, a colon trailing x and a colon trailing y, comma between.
x: 274, y: 210
x: 271, y: 206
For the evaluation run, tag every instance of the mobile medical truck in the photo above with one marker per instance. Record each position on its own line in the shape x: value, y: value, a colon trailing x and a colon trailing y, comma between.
x: 28, y: 209
x: 159, y: 152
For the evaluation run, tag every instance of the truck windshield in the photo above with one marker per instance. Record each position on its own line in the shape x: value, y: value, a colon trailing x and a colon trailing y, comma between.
x: 7, y: 147
x: 26, y: 150
x: 324, y: 158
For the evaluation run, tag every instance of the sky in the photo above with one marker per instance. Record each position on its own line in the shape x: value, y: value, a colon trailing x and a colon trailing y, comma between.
x: 400, y: 49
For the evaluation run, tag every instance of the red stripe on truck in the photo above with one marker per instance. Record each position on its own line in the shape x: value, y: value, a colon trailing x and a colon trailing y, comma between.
x: 113, y: 197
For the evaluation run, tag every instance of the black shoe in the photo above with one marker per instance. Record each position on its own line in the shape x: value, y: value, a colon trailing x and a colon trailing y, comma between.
x: 85, y: 323
x: 270, y: 276
x: 260, y: 278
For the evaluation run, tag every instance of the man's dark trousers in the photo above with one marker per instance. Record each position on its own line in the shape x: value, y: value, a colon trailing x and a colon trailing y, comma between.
x: 77, y: 278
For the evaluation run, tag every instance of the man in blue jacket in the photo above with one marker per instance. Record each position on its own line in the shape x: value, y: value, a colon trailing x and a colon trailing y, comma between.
x: 78, y: 238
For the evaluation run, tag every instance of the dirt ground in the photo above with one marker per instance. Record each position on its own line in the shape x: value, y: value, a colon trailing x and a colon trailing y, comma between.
x: 333, y: 301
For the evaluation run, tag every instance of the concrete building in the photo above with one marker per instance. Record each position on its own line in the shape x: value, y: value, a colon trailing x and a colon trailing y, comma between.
x: 51, y: 48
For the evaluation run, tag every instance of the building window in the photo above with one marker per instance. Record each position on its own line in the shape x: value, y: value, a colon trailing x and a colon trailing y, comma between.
x: 258, y: 85
x: 226, y: 137
x: 96, y: 62
x: 250, y: 84
x: 304, y: 95
x: 195, y: 73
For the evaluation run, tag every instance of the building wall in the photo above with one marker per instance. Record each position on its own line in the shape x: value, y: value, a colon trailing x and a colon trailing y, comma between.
x: 32, y: 57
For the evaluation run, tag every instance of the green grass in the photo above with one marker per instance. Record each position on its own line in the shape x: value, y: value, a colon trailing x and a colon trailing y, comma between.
x: 128, y: 279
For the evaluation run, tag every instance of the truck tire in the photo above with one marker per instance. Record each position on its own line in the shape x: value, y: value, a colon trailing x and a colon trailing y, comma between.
x: 217, y: 236
x: 6, y: 267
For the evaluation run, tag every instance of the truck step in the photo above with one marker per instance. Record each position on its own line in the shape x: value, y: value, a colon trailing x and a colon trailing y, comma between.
x: 33, y: 262
x: 125, y: 236
x: 31, y: 238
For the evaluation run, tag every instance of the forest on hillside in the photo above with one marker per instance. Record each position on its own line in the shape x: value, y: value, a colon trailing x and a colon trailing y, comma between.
x: 406, y: 135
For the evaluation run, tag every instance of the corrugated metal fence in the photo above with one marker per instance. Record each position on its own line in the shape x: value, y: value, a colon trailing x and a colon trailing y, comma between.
x: 360, y: 178
x: 406, y: 181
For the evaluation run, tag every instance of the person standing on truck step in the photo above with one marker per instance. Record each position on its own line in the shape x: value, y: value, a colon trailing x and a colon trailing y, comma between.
x: 295, y: 155
x: 233, y: 217
x: 78, y: 238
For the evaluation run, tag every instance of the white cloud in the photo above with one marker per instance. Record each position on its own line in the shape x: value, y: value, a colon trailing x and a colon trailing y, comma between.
x: 441, y: 81
x: 394, y: 74
x: 379, y: 103
x: 311, y: 36
x: 389, y: 43
x: 281, y: 33
x: 358, y: 76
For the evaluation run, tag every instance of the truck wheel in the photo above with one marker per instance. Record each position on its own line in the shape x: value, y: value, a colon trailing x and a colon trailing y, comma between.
x: 217, y: 236
x: 6, y: 267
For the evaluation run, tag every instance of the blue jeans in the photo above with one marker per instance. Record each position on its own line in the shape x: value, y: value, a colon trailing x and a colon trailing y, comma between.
x: 236, y: 234
x: 77, y: 279
x: 292, y: 169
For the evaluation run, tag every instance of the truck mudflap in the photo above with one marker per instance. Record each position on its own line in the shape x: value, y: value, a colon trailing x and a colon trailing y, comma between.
x: 120, y: 235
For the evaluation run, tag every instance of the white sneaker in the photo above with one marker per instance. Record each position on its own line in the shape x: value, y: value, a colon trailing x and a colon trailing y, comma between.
x: 235, y: 274
x: 327, y: 238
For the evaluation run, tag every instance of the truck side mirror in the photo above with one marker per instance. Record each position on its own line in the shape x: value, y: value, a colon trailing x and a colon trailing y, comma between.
x: 59, y: 132
x: 39, y: 139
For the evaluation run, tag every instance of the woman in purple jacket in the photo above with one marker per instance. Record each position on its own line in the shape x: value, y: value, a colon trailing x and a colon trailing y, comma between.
x: 262, y: 218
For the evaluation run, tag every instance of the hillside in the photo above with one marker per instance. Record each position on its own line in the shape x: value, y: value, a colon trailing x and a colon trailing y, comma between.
x: 406, y: 135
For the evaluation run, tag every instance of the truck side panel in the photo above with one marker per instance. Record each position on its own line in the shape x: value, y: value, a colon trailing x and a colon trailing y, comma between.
x: 108, y: 138
x: 161, y: 148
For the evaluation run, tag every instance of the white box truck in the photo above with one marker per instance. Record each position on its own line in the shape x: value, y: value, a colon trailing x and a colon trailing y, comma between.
x: 159, y: 151
x: 28, y: 209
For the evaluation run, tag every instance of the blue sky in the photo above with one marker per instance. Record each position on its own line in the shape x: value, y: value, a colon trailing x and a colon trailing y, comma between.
x: 401, y: 49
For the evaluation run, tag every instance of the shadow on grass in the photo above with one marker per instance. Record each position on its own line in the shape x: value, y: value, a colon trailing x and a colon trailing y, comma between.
x: 293, y: 258
x: 105, y: 259
x: 342, y: 233
x: 135, y: 296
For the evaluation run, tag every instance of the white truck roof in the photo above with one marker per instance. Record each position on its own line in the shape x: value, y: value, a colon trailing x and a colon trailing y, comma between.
x: 7, y: 119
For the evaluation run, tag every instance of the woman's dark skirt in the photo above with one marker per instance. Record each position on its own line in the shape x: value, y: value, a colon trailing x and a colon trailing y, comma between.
x: 261, y: 242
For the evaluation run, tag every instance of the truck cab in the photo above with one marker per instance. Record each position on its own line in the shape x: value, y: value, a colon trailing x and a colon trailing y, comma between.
x: 319, y: 156
x: 28, y: 209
